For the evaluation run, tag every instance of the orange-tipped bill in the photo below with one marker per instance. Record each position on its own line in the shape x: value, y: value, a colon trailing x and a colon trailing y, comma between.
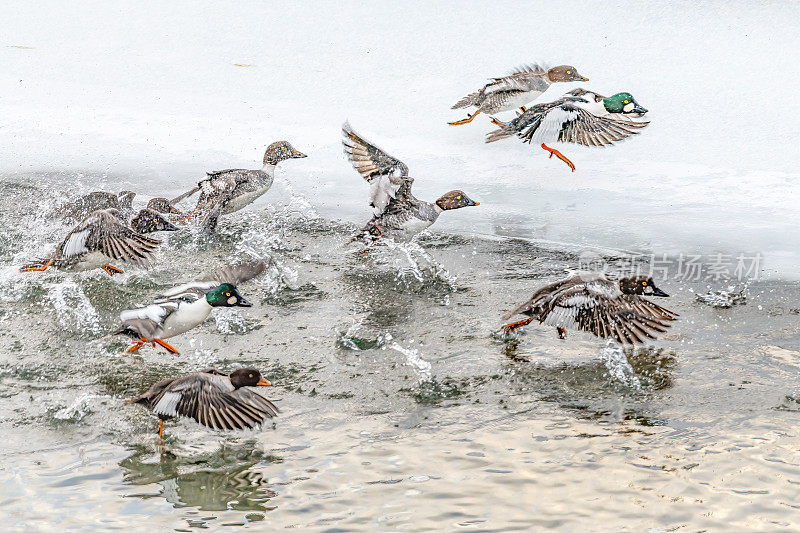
x: 263, y: 383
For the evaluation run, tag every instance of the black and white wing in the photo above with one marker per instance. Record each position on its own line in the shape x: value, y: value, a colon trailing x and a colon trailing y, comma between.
x: 568, y: 122
x: 103, y: 231
x: 211, y: 400
x: 385, y: 174
x: 628, y: 319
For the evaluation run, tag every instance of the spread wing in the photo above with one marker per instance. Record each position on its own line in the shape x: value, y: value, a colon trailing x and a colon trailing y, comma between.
x: 569, y: 123
x: 385, y: 174
x: 211, y: 400
x: 628, y: 319
x: 236, y: 274
x: 103, y: 231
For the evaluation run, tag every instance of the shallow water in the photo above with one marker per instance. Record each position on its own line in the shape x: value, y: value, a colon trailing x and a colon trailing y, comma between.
x: 403, y: 407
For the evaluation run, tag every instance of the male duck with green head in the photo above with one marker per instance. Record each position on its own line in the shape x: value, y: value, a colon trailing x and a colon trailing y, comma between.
x: 580, y: 117
x: 177, y: 311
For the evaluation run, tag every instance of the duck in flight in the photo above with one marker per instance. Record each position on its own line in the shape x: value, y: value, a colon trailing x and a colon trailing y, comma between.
x: 579, y: 117
x: 397, y: 213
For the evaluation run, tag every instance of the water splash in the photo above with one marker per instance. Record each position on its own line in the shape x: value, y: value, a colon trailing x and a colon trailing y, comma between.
x: 413, y: 359
x: 73, y: 309
x: 411, y: 263
x: 79, y: 408
x: 723, y: 299
x: 619, y: 369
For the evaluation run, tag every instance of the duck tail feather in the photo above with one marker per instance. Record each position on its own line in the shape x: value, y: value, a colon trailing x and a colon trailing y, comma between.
x: 502, y: 132
x: 470, y: 99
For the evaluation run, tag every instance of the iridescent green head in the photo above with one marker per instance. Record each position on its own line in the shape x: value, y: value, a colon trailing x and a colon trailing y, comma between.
x: 226, y: 295
x: 623, y: 103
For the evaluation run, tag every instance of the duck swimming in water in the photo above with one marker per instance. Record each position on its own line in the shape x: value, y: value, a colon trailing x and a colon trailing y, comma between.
x: 591, y: 302
x: 102, y: 238
x: 211, y: 398
x: 580, y: 117
x: 227, y: 191
x: 397, y: 213
x: 516, y: 90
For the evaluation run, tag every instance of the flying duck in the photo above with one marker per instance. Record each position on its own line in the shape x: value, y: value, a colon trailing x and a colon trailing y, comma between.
x: 104, y: 237
x: 594, y: 303
x: 522, y: 86
x: 186, y: 306
x: 397, y: 213
x: 580, y: 117
x: 227, y: 191
x: 211, y: 398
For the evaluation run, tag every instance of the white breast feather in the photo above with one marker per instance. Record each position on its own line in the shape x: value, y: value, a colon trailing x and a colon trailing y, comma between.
x: 168, y: 404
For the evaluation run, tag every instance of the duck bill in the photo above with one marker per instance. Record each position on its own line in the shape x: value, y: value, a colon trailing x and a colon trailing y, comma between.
x: 473, y: 203
x: 584, y: 78
x: 263, y: 383
x: 659, y: 292
x: 297, y: 154
x: 171, y: 227
x: 244, y: 303
x: 175, y: 210
x: 639, y: 109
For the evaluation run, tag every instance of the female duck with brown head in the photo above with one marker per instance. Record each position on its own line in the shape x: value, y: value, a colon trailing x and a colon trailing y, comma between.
x: 397, y: 213
x: 515, y: 90
x: 227, y: 191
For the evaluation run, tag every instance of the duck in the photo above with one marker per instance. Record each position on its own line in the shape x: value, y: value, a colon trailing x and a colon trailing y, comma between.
x: 104, y: 237
x: 397, y: 213
x: 186, y: 306
x: 579, y: 117
x: 522, y: 86
x: 82, y: 206
x: 226, y: 191
x: 211, y: 398
x: 607, y: 308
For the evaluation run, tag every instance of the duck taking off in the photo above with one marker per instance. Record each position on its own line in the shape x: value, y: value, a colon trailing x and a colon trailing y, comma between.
x: 591, y: 302
x: 81, y: 207
x: 103, y: 237
x: 519, y: 88
x: 211, y: 398
x: 579, y: 117
x: 227, y: 191
x: 187, y: 306
x: 397, y: 213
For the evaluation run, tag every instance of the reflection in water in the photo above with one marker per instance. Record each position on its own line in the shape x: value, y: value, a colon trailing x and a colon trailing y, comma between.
x: 225, y: 479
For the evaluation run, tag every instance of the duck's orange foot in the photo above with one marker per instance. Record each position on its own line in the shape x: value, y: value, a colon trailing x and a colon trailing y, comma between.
x: 166, y: 346
x: 136, y: 345
x: 160, y: 429
x: 465, y: 120
x: 111, y: 270
x: 554, y: 152
x: 562, y: 333
x: 191, y: 215
x: 523, y: 108
x: 495, y: 121
x: 508, y: 328
x: 38, y: 268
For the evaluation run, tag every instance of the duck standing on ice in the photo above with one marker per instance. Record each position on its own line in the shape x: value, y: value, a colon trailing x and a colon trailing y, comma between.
x: 398, y: 214
x: 103, y: 237
x: 519, y: 88
x: 579, y: 117
x: 226, y: 191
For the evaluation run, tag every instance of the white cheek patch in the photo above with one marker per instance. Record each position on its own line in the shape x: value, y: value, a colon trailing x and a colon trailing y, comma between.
x: 628, y: 108
x: 232, y: 300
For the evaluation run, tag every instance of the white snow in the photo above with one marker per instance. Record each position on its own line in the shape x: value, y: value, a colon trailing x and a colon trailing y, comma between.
x: 153, y: 90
